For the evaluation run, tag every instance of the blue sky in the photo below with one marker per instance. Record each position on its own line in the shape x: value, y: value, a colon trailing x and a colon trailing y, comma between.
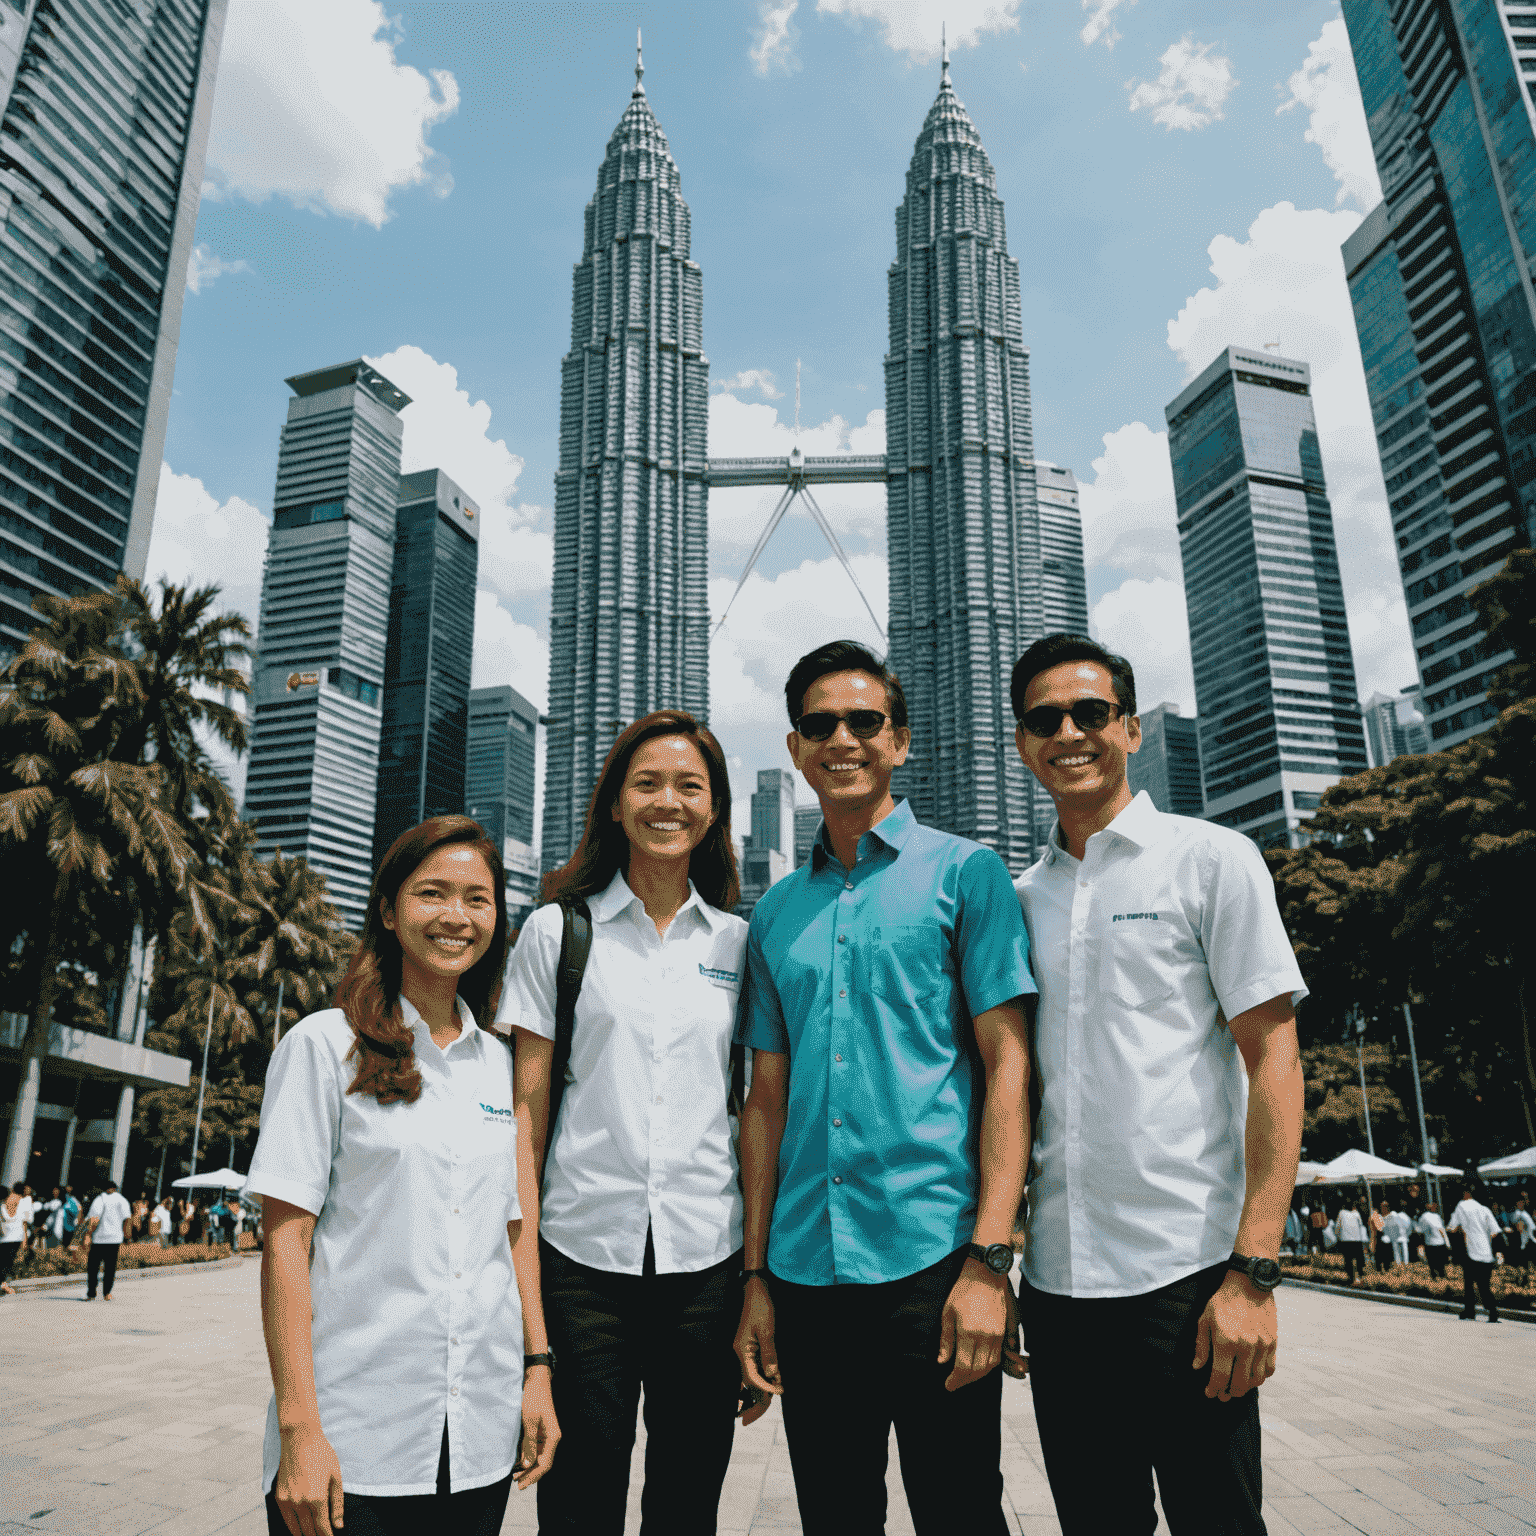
x: 410, y: 187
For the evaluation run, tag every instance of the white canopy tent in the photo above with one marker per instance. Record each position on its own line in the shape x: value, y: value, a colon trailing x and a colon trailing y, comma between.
x: 1440, y: 1171
x: 1310, y: 1173
x: 1511, y: 1167
x: 1353, y: 1166
x: 220, y: 1178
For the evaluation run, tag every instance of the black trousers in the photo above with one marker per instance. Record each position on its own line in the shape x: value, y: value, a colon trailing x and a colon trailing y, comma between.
x: 1480, y: 1276
x: 1116, y: 1400
x: 103, y: 1258
x: 1353, y: 1254
x: 856, y: 1359
x: 8, y: 1252
x: 473, y: 1512
x: 612, y: 1335
x: 1435, y: 1255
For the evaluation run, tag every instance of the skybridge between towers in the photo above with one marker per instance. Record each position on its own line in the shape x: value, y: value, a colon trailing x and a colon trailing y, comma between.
x: 797, y: 474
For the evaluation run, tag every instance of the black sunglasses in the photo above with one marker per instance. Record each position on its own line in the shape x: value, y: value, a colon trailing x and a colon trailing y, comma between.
x: 1087, y: 715
x: 819, y: 726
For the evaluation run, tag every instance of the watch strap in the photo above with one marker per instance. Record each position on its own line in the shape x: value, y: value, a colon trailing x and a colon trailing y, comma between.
x: 546, y: 1359
x: 754, y: 1274
x: 982, y: 1255
x: 1246, y: 1266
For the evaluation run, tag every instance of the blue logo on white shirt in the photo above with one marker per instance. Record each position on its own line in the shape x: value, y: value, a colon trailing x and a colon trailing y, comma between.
x: 491, y: 1109
x: 721, y: 978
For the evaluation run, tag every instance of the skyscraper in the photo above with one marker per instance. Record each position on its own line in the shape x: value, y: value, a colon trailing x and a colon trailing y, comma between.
x: 325, y: 594
x: 629, y: 618
x: 1063, y: 579
x: 427, y: 656
x: 1440, y: 277
x: 773, y: 812
x: 807, y: 821
x: 499, y: 785
x: 1168, y: 764
x: 963, y: 526
x: 1274, y: 672
x: 105, y: 124
x: 1394, y: 727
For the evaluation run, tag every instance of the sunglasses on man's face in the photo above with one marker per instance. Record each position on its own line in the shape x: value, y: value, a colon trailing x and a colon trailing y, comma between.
x: 1044, y: 720
x: 819, y: 726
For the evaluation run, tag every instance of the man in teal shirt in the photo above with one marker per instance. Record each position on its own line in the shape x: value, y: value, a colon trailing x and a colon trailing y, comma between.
x: 884, y: 1142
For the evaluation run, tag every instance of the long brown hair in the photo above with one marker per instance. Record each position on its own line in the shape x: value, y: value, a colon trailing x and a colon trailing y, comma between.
x: 604, y: 847
x: 385, y: 1047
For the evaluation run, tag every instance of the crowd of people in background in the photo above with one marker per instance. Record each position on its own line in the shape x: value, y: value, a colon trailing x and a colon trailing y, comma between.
x: 29, y: 1224
x: 1478, y: 1236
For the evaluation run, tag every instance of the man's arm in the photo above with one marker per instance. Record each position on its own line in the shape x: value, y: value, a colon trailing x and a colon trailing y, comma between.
x: 1239, y: 1329
x: 762, y: 1129
x: 976, y: 1313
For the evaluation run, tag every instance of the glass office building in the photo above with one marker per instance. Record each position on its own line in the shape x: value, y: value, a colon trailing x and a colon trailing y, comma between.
x: 773, y: 812
x: 499, y: 781
x: 317, y: 694
x: 101, y: 166
x: 1395, y: 727
x: 1440, y: 278
x: 424, y: 734
x: 1274, y: 672
x: 1168, y: 764
x: 1063, y: 578
x: 807, y: 823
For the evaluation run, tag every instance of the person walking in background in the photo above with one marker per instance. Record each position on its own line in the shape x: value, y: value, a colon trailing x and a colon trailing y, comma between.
x: 1523, y: 1249
x: 1381, y: 1249
x: 160, y: 1221
x: 50, y: 1230
x: 140, y: 1218
x: 1436, y: 1249
x: 70, y: 1216
x: 1478, y: 1228
x: 1396, y: 1229
x: 387, y: 1165
x: 885, y: 1138
x: 637, y: 1231
x: 1318, y: 1220
x: 104, y: 1232
x: 1351, y: 1229
x: 13, y: 1234
x: 218, y: 1213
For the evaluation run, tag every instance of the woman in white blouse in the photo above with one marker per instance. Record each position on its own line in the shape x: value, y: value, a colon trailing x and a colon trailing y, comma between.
x: 639, y: 1222
x: 387, y: 1168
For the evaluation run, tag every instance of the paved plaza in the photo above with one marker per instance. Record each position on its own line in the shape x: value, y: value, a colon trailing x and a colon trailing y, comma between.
x: 145, y: 1415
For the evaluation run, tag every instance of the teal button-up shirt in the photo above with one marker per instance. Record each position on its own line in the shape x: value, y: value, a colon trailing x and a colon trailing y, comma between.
x: 869, y: 980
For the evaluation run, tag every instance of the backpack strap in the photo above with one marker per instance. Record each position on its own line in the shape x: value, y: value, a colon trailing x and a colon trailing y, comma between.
x: 575, y: 947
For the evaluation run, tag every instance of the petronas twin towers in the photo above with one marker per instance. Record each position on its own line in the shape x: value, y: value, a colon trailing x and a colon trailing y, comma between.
x: 629, y: 624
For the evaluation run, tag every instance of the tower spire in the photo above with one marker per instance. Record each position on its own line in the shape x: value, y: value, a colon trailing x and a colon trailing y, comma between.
x: 639, y: 66
x: 944, y: 49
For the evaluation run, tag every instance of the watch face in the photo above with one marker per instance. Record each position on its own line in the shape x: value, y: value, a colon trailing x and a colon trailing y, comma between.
x: 1265, y: 1273
x: 999, y: 1258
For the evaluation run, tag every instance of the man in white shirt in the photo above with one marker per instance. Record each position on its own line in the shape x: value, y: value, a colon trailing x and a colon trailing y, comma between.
x: 160, y: 1223
x: 1353, y: 1233
x: 1478, y: 1228
x: 1395, y: 1231
x: 1436, y: 1249
x: 1170, y: 1123
x: 104, y: 1229
x: 1524, y: 1227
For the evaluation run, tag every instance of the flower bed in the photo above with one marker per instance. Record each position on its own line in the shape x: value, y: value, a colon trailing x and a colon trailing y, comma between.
x: 71, y: 1261
x: 1513, y: 1288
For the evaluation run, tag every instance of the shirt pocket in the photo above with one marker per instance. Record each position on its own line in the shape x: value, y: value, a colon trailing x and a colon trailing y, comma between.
x: 1141, y: 963
x: 906, y: 961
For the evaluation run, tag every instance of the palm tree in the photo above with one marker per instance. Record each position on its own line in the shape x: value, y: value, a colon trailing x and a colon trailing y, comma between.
x: 75, y: 814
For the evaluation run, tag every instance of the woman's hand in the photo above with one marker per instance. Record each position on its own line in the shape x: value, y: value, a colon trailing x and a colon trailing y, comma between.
x: 308, y: 1486
x: 541, y: 1429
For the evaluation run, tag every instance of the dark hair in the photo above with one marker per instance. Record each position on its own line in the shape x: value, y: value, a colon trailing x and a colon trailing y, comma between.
x: 385, y: 1047
x: 842, y: 656
x: 1053, y: 651
x: 604, y: 847
x: 18, y: 1188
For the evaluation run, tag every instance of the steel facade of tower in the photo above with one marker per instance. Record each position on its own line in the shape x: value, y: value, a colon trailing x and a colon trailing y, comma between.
x: 1167, y: 764
x: 629, y: 618
x: 1063, y: 577
x: 499, y: 782
x: 1274, y: 670
x: 316, y: 704
x: 963, y: 526
x: 105, y: 124
x: 424, y: 733
x: 1440, y: 277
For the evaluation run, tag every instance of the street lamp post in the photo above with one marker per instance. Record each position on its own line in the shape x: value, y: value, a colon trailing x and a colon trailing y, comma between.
x: 1357, y: 1018
x: 1418, y: 1091
x: 202, y: 1082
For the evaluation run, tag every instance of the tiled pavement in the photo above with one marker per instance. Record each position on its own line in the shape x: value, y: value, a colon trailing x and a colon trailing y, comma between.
x: 145, y: 1415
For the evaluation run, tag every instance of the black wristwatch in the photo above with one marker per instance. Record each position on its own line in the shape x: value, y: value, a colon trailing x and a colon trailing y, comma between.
x: 998, y: 1257
x: 1264, y: 1274
x: 547, y: 1358
x: 754, y: 1274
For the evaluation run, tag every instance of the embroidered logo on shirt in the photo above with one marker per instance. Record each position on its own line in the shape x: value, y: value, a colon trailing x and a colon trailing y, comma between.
x: 1131, y: 917
x: 491, y: 1109
x: 721, y: 978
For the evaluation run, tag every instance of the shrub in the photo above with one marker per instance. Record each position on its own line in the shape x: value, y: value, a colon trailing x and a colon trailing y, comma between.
x: 1512, y: 1288
x: 71, y: 1261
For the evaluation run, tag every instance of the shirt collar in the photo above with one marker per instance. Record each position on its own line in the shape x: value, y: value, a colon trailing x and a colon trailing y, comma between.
x: 893, y: 831
x: 417, y: 1025
x: 618, y: 899
x: 1139, y: 823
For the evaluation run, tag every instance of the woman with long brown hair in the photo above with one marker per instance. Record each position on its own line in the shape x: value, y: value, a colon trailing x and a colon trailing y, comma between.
x: 387, y: 1166
x: 637, y: 1229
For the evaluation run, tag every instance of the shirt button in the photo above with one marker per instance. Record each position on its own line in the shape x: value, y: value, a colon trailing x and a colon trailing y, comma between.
x: 848, y: 885
x: 458, y: 1274
x: 453, y: 1341
x: 842, y: 992
x: 838, y: 1057
x: 837, y: 1122
x: 842, y: 938
x: 453, y: 1391
x: 837, y: 1179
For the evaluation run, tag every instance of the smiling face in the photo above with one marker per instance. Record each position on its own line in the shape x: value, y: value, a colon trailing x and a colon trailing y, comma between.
x: 666, y: 805
x: 444, y: 915
x: 1074, y: 764
x: 845, y: 772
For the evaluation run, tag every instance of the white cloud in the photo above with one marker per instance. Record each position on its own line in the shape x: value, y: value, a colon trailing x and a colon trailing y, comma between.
x: 1326, y: 85
x: 773, y: 623
x: 507, y: 651
x: 1102, y: 22
x: 1286, y: 280
x: 197, y: 539
x: 1190, y: 90
x: 313, y: 106
x: 445, y: 430
x: 1130, y: 519
x: 760, y: 379
x: 1146, y: 622
x: 773, y: 43
x: 912, y: 26
x: 204, y: 268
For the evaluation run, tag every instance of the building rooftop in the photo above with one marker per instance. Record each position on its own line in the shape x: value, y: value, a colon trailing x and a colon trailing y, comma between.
x: 356, y: 372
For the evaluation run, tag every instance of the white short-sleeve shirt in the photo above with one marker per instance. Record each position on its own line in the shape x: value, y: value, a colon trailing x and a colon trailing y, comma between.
x: 109, y: 1211
x: 1431, y: 1228
x: 1478, y: 1226
x: 643, y: 1136
x: 1165, y: 929
x: 416, y: 1313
